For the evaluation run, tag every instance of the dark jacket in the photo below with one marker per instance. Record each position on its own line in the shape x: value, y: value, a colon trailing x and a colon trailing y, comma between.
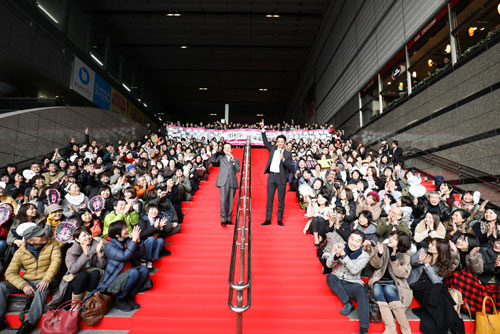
x: 117, y: 255
x: 489, y: 270
x: 285, y: 165
x: 444, y: 210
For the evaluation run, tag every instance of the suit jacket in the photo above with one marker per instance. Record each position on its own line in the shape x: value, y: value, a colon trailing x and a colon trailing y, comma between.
x: 284, y: 165
x: 227, y: 171
x: 397, y: 155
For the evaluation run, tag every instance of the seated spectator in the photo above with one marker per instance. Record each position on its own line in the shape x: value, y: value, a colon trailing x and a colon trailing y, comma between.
x: 365, y: 224
x: 27, y: 214
x: 5, y: 225
x: 41, y: 258
x: 130, y: 195
x: 4, y: 198
x: 370, y: 203
x: 73, y: 201
x: 457, y: 225
x: 434, y: 204
x: 389, y: 281
x: 386, y: 225
x: 347, y: 261
x: 486, y: 229
x: 171, y: 192
x: 429, y: 228
x: 320, y: 218
x: 346, y: 200
x: 123, y: 210
x: 429, y: 270
x: 123, y: 246
x: 55, y: 215
x: 86, y: 219
x: 183, y: 184
x: 85, y: 260
x: 53, y: 176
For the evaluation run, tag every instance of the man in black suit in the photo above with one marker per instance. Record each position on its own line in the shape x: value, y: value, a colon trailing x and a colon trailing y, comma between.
x: 280, y: 160
x: 397, y: 153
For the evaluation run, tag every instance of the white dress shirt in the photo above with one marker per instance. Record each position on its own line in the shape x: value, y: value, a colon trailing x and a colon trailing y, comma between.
x: 275, y: 163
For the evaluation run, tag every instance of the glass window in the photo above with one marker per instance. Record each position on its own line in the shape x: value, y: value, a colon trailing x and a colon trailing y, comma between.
x: 475, y: 21
x: 431, y: 52
x: 394, y: 82
x: 370, y: 105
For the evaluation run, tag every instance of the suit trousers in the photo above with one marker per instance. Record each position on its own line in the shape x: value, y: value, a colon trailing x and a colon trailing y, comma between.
x: 273, y: 183
x: 226, y: 203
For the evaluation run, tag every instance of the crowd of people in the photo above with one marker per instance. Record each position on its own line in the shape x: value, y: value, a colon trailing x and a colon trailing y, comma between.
x: 74, y: 219
x: 370, y: 218
x: 71, y: 222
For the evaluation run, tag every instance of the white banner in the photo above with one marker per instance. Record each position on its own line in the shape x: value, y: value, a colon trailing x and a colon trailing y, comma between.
x: 239, y: 136
x: 82, y: 79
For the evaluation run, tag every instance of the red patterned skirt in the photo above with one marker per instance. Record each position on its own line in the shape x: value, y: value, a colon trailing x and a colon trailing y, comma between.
x: 473, y: 291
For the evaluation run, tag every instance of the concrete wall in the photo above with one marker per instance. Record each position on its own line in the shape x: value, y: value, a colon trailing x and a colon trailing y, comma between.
x: 35, y: 132
x: 471, y: 122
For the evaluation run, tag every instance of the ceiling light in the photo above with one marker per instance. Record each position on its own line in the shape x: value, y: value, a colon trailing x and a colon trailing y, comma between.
x: 260, y: 115
x: 47, y: 13
x: 126, y: 87
x: 145, y: 105
x: 263, y: 89
x: 498, y: 8
x: 430, y: 62
x: 482, y: 29
x: 203, y: 88
x: 448, y: 48
x: 184, y: 47
x: 269, y: 16
x: 389, y: 83
x: 272, y: 16
x: 96, y: 59
x: 139, y: 100
x: 213, y: 114
x: 173, y: 14
x: 471, y: 31
x: 414, y: 74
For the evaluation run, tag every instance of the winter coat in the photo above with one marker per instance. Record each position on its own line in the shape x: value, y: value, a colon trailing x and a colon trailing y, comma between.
x: 38, y: 220
x: 384, y: 229
x: 131, y: 218
x: 44, y: 268
x: 348, y: 269
x: 399, y: 270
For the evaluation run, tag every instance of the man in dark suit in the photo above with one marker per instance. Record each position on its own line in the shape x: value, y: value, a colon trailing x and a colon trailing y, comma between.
x: 397, y: 153
x: 280, y: 161
x: 226, y: 181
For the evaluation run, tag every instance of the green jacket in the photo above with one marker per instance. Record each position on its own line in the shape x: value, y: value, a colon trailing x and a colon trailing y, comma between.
x: 131, y: 218
x: 384, y: 229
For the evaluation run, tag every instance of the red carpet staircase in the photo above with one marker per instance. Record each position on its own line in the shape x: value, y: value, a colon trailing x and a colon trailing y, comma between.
x: 289, y: 293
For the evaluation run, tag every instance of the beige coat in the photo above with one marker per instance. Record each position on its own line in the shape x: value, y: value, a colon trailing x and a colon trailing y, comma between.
x: 399, y: 271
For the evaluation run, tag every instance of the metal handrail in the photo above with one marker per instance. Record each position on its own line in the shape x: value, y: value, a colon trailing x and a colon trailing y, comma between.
x: 456, y: 167
x: 242, y: 243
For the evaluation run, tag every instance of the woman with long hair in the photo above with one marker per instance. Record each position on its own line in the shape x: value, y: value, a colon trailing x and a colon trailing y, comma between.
x: 487, y: 229
x: 389, y: 281
x: 27, y: 213
x: 428, y: 228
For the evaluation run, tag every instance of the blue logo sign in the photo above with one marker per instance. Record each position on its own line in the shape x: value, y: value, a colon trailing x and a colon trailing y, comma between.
x: 102, y: 93
x: 84, y: 75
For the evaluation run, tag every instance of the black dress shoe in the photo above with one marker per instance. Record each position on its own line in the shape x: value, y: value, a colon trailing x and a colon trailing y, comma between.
x: 229, y: 222
x: 123, y: 305
x: 223, y: 223
x: 267, y: 222
x: 25, y: 328
x: 132, y: 303
x: 280, y: 223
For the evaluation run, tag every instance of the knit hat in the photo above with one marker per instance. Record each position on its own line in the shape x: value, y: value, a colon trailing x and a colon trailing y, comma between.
x: 375, y: 196
x: 130, y: 167
x: 53, y: 208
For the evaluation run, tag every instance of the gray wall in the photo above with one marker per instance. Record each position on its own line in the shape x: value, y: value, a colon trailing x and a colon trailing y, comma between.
x: 473, y: 118
x: 30, y: 133
x: 357, y: 39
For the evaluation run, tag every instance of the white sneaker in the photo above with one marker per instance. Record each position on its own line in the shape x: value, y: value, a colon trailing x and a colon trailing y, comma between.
x: 149, y: 264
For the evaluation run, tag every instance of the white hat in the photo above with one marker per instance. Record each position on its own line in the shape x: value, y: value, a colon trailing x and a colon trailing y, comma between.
x: 23, y: 227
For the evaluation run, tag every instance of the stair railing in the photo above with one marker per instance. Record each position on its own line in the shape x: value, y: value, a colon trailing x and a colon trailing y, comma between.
x: 240, y: 269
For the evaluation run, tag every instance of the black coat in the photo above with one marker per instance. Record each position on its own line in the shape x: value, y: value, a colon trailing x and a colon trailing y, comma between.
x: 397, y: 155
x: 436, y: 312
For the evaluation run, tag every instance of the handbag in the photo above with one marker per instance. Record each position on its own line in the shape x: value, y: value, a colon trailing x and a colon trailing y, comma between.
x: 375, y: 315
x: 95, y: 308
x: 60, y: 321
x: 487, y: 323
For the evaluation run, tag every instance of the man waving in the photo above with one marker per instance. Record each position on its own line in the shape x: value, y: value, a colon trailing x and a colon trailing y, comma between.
x: 280, y: 160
